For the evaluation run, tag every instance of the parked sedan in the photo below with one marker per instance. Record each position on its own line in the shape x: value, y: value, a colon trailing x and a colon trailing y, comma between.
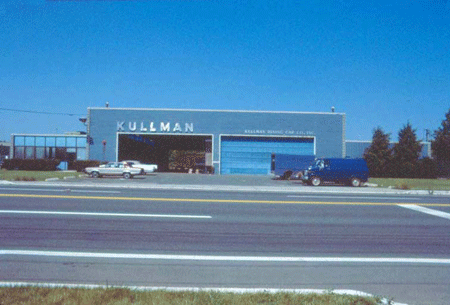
x: 114, y: 169
x: 148, y: 168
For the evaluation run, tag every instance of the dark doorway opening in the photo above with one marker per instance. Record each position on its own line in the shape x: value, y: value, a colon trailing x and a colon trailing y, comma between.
x: 162, y: 149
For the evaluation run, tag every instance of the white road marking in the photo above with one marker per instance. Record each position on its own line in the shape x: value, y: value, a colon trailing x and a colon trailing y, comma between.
x: 59, y: 190
x: 354, y: 197
x: 103, y: 214
x: 286, y: 259
x: 199, y: 289
x: 86, y: 191
x: 425, y: 210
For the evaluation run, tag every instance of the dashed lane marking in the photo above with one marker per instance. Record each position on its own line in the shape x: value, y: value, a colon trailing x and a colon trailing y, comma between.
x: 104, y: 214
x: 58, y: 190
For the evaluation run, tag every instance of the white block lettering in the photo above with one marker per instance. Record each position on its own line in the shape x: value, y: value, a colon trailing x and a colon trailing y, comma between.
x: 152, y: 127
x: 165, y: 127
x: 142, y: 127
x: 177, y: 128
x: 189, y: 127
x: 132, y: 126
x: 120, y: 126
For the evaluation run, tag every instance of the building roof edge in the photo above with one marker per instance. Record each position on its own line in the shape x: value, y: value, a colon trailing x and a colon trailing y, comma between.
x: 215, y: 110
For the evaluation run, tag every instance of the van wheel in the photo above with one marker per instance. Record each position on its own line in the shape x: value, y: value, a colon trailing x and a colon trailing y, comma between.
x: 355, y: 182
x: 127, y: 175
x: 315, y: 181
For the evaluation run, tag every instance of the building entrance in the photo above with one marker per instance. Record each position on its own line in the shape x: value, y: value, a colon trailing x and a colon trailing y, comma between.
x: 253, y: 155
x: 172, y: 153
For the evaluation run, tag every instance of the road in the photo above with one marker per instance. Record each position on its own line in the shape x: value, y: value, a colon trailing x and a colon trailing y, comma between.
x: 394, y: 246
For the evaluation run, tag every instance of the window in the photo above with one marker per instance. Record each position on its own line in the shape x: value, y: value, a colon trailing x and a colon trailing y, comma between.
x: 60, y: 142
x: 81, y: 154
x: 40, y: 141
x: 71, y: 154
x: 29, y: 141
x: 81, y: 142
x: 50, y: 141
x: 50, y: 152
x: 40, y: 152
x: 71, y: 142
x: 29, y: 152
x: 19, y: 152
x: 19, y: 141
x: 65, y: 148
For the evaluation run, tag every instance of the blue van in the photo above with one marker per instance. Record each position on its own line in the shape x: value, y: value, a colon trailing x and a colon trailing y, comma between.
x: 352, y: 172
x: 290, y: 166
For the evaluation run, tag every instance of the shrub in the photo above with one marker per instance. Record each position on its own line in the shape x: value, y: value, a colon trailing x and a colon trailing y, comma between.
x: 24, y: 178
x: 79, y: 166
x: 31, y: 164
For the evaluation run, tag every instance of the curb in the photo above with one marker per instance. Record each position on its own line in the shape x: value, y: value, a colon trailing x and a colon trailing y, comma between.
x: 5, y: 182
x: 350, y: 292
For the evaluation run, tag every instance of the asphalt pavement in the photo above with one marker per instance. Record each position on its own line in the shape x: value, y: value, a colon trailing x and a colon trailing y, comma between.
x: 300, y: 231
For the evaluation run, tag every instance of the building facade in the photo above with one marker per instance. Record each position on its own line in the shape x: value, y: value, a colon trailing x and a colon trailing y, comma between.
x: 4, y: 148
x: 233, y: 142
x: 230, y: 142
x: 49, y: 146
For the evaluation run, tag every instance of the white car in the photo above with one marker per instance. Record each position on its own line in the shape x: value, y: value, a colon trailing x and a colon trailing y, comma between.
x: 114, y: 169
x: 148, y: 168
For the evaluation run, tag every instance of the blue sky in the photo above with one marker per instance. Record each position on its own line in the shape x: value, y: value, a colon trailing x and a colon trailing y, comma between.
x: 383, y: 63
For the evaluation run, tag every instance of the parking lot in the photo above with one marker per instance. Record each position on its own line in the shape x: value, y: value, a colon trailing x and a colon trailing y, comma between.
x: 199, y: 179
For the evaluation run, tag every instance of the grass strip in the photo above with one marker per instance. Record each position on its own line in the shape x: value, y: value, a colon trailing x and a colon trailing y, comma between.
x: 412, y: 184
x: 121, y: 296
x: 18, y: 175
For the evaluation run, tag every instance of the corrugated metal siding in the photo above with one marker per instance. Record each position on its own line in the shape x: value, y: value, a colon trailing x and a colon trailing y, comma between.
x: 252, y: 155
x: 355, y: 149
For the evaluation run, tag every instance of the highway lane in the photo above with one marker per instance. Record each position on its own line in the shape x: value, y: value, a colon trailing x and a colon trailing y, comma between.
x: 244, y: 227
x: 225, y: 194
x: 236, y: 225
x: 407, y: 283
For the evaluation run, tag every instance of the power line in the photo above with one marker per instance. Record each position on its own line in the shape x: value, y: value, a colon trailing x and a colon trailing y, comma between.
x: 40, y: 112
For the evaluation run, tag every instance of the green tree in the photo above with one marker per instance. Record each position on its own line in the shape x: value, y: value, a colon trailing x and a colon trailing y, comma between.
x: 427, y: 168
x: 406, y: 153
x: 440, y: 146
x: 378, y: 155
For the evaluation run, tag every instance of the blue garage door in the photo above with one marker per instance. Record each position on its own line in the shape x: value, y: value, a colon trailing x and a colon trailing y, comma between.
x: 252, y: 155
